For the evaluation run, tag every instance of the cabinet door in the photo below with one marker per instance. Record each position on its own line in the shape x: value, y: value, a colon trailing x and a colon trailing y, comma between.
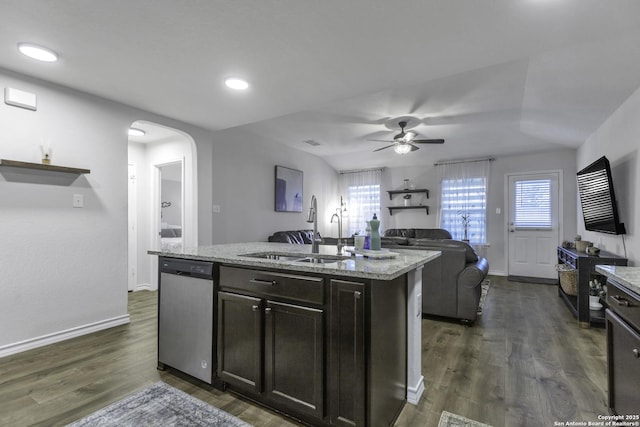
x: 240, y: 327
x: 294, y: 357
x: 623, y: 359
x: 347, y: 354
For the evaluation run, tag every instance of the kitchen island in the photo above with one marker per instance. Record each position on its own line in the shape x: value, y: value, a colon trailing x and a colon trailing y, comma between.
x: 324, y: 339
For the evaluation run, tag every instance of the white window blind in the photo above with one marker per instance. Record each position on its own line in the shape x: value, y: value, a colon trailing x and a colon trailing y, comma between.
x: 362, y: 192
x: 532, y: 200
x: 466, y: 197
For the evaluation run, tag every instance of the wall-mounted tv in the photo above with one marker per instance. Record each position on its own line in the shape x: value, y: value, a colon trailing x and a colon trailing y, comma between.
x: 598, y: 199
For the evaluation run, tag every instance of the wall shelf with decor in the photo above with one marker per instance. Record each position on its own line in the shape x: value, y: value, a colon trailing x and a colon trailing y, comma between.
x: 392, y: 208
x: 42, y: 167
x: 394, y: 192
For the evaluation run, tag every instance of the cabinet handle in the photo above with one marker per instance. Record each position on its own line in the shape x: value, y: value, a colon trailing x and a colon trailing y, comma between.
x: 636, y: 353
x: 255, y: 307
x: 263, y: 282
x: 621, y: 301
x: 357, y: 294
x: 267, y: 310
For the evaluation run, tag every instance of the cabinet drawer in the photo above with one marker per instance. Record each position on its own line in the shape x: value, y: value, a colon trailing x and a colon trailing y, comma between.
x: 290, y: 286
x: 624, y: 302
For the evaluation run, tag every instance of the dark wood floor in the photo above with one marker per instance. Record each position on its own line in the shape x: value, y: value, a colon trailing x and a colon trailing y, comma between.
x: 524, y: 363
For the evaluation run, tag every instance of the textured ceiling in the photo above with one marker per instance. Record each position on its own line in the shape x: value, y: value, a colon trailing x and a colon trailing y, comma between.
x: 492, y: 77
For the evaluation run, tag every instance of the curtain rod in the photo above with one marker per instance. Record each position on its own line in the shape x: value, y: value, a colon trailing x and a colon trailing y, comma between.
x: 453, y: 162
x: 361, y: 170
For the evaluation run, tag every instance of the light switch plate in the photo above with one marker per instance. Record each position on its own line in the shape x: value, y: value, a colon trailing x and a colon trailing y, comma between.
x: 216, y: 208
x: 78, y: 201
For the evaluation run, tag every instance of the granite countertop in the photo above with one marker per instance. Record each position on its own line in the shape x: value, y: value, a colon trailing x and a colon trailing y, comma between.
x: 626, y: 276
x: 353, y: 266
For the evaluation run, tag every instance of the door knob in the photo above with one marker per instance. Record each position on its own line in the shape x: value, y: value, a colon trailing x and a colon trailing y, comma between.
x: 255, y: 307
x: 636, y: 353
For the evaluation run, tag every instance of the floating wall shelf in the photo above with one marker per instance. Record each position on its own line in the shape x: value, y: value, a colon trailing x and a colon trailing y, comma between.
x: 394, y: 192
x: 392, y: 208
x: 43, y: 167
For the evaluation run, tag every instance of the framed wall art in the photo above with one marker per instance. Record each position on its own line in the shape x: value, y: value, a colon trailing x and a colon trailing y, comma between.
x: 288, y: 190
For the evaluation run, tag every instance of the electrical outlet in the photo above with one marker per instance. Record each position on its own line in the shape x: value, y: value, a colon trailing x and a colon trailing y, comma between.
x: 216, y: 208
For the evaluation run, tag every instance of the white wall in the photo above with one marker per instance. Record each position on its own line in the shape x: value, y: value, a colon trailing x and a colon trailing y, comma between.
x: 618, y: 139
x: 244, y: 187
x: 64, y: 270
x: 427, y: 177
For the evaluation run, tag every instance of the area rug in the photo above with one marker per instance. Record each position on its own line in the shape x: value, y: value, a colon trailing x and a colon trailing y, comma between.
x: 486, y: 285
x: 447, y: 419
x: 160, y: 405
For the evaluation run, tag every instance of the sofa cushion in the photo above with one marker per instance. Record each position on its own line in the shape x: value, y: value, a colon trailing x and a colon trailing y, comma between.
x: 299, y: 237
x: 399, y: 232
x: 387, y: 241
x: 431, y: 233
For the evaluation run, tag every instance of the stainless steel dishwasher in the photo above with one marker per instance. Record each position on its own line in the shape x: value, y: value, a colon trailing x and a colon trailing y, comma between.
x: 186, y: 316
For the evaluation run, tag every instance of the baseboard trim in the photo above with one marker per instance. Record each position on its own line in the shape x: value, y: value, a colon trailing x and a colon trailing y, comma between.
x: 143, y: 287
x: 19, y: 347
x: 538, y: 280
x: 415, y: 393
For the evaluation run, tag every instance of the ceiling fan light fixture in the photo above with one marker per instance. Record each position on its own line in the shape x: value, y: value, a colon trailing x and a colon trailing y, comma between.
x: 402, y: 148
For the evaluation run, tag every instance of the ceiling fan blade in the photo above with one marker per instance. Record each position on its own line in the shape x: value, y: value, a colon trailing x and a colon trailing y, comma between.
x: 428, y: 141
x: 380, y: 140
x: 388, y: 146
x: 413, y: 147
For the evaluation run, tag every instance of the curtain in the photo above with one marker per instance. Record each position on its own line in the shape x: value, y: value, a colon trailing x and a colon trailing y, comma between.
x: 463, y: 199
x: 361, y: 191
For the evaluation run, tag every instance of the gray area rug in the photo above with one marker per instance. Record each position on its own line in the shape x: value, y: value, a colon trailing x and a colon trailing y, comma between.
x: 160, y: 405
x: 447, y: 419
x: 486, y: 285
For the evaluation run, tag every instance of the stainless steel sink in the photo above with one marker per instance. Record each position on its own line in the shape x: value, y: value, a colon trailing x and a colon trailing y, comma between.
x: 309, y: 258
x: 275, y: 256
x: 323, y: 259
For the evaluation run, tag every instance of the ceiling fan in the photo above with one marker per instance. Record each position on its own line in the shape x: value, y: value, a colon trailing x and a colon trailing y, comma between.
x: 404, y: 141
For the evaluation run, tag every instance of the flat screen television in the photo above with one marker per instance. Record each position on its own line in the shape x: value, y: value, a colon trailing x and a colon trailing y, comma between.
x: 598, y: 199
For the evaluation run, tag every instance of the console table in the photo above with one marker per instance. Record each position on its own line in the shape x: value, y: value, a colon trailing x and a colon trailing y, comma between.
x: 585, y: 264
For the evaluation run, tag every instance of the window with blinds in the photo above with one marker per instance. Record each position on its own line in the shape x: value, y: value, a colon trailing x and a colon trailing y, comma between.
x: 468, y: 197
x: 532, y: 200
x: 362, y: 202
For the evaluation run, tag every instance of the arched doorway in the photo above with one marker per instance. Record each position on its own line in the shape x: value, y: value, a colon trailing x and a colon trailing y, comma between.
x: 161, y: 158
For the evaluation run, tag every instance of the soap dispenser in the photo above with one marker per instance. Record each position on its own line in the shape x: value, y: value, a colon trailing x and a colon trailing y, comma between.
x: 375, y: 233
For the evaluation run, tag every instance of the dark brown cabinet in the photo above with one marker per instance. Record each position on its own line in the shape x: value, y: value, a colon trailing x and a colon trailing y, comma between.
x: 339, y: 360
x: 294, y: 357
x: 347, y: 354
x: 623, y: 349
x: 273, y: 350
x: 240, y: 348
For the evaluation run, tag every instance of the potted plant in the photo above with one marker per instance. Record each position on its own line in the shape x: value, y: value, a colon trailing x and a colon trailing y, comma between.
x: 465, y: 217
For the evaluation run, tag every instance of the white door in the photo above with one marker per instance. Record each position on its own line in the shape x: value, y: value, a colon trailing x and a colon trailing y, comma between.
x: 533, y: 224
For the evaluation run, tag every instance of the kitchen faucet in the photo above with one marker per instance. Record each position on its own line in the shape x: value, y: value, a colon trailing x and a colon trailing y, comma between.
x: 313, y: 217
x: 338, y: 217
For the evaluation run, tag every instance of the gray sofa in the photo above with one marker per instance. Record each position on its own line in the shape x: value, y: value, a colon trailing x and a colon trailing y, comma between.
x: 451, y: 284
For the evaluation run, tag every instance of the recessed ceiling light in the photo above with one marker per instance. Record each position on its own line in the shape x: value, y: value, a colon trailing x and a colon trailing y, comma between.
x: 37, y: 52
x: 136, y: 132
x: 236, y: 83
